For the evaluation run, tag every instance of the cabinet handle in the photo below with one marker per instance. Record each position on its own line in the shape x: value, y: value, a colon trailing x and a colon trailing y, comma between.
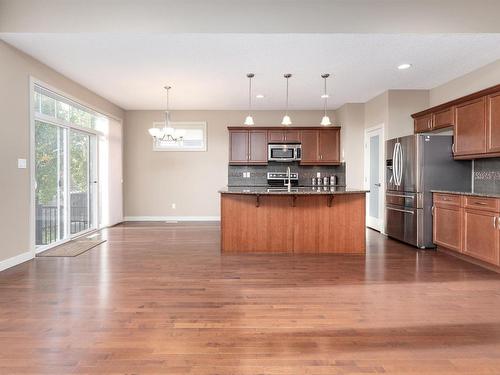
x: 453, y: 147
x: 429, y: 124
x: 433, y: 210
x: 480, y: 203
x: 495, y: 222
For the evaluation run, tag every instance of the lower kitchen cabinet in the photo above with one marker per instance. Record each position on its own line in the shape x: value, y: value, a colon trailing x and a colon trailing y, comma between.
x: 470, y: 226
x: 481, y: 235
x: 448, y: 227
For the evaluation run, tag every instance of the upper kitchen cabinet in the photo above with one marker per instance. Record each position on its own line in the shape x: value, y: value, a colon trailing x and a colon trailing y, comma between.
x: 321, y: 147
x: 443, y: 118
x: 475, y: 120
x: 423, y: 123
x: 292, y: 136
x: 247, y: 147
x: 493, y: 121
x: 470, y: 127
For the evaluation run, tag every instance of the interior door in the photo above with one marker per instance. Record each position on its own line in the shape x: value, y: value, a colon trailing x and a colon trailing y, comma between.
x: 374, y: 169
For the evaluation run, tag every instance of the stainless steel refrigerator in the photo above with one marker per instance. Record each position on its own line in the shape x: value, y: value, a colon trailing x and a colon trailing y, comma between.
x: 415, y: 165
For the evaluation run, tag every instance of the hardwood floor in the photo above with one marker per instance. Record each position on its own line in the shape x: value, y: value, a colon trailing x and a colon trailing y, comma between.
x: 161, y: 299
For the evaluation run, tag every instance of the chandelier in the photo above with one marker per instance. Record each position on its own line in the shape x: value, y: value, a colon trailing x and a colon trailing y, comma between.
x: 167, y: 133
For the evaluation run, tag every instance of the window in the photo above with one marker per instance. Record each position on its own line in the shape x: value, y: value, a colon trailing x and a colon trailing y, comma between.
x: 52, y: 106
x: 194, y: 137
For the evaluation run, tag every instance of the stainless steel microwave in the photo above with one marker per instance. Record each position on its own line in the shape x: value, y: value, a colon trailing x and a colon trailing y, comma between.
x: 284, y: 152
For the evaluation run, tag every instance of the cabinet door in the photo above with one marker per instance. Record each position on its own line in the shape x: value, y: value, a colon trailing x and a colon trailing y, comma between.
x: 470, y: 127
x: 258, y: 147
x: 447, y: 227
x: 481, y: 237
x: 442, y: 119
x: 493, y: 121
x: 329, y: 146
x: 423, y: 123
x: 276, y: 136
x: 238, y: 146
x: 292, y: 136
x: 310, y: 144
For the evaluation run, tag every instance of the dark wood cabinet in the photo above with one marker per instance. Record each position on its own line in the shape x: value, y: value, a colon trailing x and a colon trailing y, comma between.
x: 423, y: 123
x: 481, y: 235
x: 443, y: 118
x: 283, y: 136
x: 493, y: 121
x: 320, y: 145
x: 470, y: 127
x: 329, y: 146
x: 238, y: 146
x: 247, y: 147
x: 257, y: 147
x: 310, y: 147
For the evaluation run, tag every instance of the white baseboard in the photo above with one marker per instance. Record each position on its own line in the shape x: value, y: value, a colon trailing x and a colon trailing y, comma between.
x: 172, y: 218
x: 15, y: 260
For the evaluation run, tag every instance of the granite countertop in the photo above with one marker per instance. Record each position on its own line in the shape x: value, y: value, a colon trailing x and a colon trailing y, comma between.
x: 471, y: 193
x: 264, y: 190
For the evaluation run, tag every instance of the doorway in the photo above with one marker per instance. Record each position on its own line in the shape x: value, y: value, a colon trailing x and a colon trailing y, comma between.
x: 374, y: 177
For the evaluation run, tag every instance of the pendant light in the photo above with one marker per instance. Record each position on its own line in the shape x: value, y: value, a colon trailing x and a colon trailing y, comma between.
x: 286, y: 119
x: 325, y: 120
x: 249, y: 119
x: 167, y: 133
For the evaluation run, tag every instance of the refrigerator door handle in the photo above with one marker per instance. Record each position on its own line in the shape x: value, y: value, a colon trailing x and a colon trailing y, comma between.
x: 400, y: 169
x: 394, y: 165
x: 400, y: 210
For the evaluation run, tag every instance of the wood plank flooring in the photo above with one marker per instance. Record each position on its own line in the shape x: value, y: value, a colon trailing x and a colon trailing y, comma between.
x: 160, y: 299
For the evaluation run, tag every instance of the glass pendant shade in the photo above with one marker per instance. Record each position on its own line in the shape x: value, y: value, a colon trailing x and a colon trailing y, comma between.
x: 249, y: 120
x: 286, y: 120
x: 325, y: 121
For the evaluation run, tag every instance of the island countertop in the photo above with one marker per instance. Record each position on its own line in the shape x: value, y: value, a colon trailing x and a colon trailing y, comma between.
x: 297, y: 190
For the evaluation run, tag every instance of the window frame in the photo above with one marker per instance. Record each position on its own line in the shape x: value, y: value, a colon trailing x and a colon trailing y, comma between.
x: 182, y: 125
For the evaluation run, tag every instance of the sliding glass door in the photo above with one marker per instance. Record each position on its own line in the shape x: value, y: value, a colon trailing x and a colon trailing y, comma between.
x: 50, y: 189
x: 83, y: 181
x: 66, y: 182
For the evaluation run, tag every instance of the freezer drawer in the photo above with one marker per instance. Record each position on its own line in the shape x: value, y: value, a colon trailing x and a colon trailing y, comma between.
x: 403, y: 224
x: 409, y: 200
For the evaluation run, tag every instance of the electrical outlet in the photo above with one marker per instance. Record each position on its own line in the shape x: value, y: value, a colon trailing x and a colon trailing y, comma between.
x: 173, y: 206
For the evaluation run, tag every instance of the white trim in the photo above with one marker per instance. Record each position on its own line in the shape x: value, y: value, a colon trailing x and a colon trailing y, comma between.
x: 15, y: 260
x: 380, y: 224
x: 172, y: 218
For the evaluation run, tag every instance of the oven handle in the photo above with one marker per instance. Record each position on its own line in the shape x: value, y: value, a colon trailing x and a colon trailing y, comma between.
x: 400, y: 196
x: 400, y: 210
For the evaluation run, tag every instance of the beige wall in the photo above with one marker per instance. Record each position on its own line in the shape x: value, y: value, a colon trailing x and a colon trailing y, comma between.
x: 155, y: 180
x: 401, y: 104
x: 15, y: 70
x: 479, y: 79
x: 351, y: 117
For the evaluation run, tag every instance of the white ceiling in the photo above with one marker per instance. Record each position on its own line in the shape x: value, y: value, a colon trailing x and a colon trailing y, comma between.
x: 207, y: 71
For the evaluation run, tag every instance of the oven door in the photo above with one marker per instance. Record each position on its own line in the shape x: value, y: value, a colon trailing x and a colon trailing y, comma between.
x: 281, y: 153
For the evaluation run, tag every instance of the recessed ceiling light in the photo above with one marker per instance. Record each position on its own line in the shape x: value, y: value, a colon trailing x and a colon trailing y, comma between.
x: 259, y: 96
x: 324, y: 96
x: 404, y: 66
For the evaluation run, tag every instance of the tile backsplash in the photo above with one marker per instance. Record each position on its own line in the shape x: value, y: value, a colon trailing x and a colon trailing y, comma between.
x: 487, y: 175
x: 258, y: 173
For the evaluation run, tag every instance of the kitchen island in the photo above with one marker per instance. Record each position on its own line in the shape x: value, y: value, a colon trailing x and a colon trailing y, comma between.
x: 295, y: 220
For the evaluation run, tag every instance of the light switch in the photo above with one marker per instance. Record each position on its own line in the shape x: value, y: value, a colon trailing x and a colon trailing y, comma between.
x: 21, y: 163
